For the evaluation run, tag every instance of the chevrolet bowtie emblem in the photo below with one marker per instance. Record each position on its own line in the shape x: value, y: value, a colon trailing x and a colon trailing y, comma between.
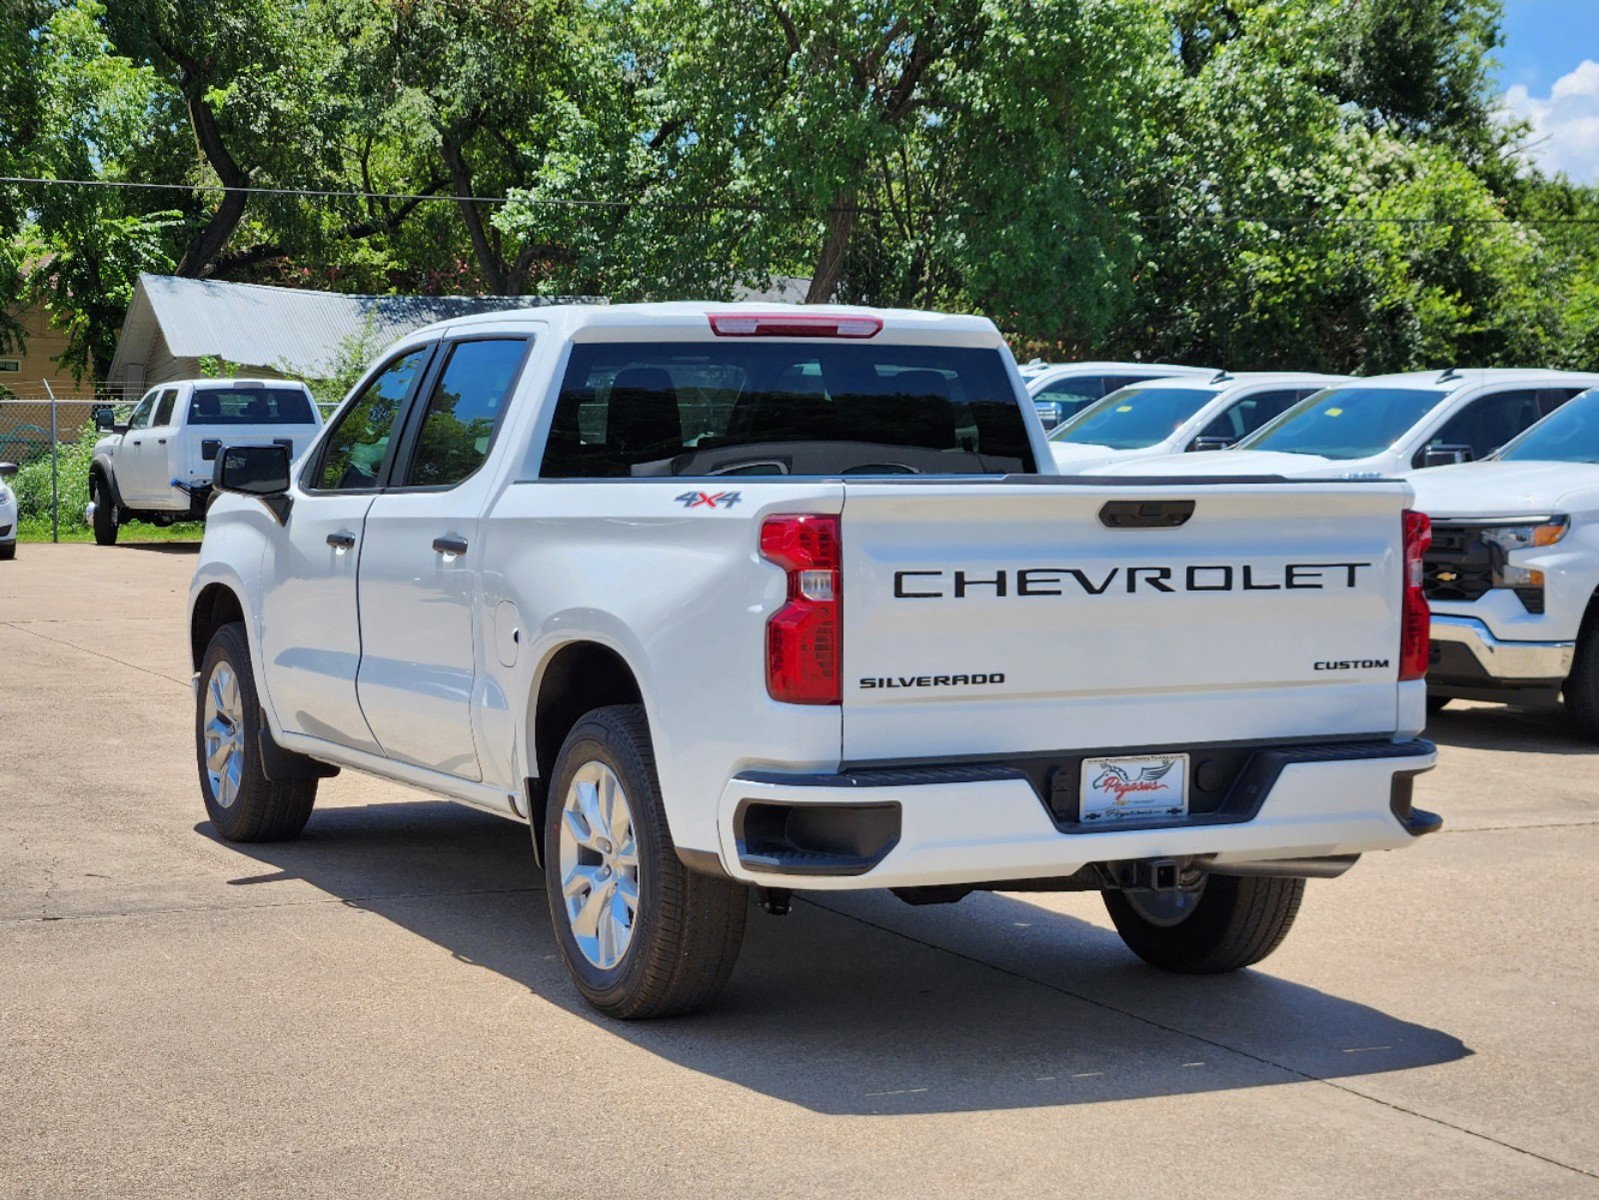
x: 1447, y: 577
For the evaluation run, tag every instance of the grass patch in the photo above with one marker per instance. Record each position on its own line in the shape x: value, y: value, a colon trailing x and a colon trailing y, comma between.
x: 37, y: 529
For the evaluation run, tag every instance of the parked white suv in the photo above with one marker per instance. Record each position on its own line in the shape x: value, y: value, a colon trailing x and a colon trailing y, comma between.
x: 720, y: 597
x: 1513, y: 570
x: 8, y: 513
x: 158, y: 466
x: 1062, y: 390
x: 1161, y: 417
x: 1388, y: 425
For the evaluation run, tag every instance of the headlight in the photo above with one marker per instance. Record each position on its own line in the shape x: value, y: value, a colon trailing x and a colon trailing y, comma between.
x: 1520, y: 537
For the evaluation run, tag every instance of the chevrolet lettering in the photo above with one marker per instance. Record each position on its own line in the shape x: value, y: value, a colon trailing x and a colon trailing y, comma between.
x: 1126, y: 580
x: 663, y: 582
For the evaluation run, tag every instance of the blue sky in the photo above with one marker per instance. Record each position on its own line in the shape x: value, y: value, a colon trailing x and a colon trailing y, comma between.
x: 1549, y: 74
x: 1545, y: 39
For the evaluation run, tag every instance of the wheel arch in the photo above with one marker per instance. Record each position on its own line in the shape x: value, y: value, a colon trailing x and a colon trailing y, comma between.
x: 215, y: 605
x: 575, y: 678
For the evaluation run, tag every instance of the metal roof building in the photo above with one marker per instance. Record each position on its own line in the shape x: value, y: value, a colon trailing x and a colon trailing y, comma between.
x: 172, y: 323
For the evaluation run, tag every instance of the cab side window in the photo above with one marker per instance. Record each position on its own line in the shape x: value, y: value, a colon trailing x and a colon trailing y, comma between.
x: 1490, y: 421
x: 1250, y: 413
x: 464, y: 410
x: 163, y: 408
x: 141, y: 415
x: 356, y: 448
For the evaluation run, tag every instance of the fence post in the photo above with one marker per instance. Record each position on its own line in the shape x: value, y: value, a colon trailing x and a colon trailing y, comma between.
x: 55, y: 457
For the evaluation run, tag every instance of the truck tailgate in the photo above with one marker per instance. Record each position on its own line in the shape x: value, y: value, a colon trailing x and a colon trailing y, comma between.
x: 985, y: 618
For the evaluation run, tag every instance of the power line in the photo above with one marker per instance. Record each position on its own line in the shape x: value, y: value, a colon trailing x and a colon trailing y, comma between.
x: 1213, y: 218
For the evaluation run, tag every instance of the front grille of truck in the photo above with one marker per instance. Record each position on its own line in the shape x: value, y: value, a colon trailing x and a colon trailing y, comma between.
x: 1458, y: 565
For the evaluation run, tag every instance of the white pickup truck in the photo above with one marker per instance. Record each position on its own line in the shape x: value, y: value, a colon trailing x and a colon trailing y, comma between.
x: 158, y: 466
x: 1513, y: 571
x: 722, y: 597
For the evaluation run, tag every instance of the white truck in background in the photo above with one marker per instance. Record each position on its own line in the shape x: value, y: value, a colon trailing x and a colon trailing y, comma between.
x: 1383, y: 426
x: 720, y: 598
x: 157, y: 467
x: 1513, y: 571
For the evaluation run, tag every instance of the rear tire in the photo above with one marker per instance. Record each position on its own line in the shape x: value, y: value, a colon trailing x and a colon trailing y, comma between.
x: 105, y: 512
x: 641, y: 934
x: 1581, y: 689
x: 1438, y: 703
x: 244, y: 805
x: 1234, y: 922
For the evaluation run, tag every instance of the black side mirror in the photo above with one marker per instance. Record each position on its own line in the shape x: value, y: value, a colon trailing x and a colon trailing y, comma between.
x: 7, y: 470
x: 259, y: 471
x: 1210, y: 443
x: 104, y: 418
x: 1444, y: 454
x: 252, y: 470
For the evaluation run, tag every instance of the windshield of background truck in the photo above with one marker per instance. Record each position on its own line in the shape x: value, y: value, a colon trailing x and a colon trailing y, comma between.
x: 784, y: 408
x: 1569, y: 434
x: 1133, y: 418
x: 1345, y: 422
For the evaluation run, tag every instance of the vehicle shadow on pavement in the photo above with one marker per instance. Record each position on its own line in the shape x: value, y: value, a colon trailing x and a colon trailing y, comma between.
x: 857, y: 1004
x: 1499, y: 727
x: 186, y: 548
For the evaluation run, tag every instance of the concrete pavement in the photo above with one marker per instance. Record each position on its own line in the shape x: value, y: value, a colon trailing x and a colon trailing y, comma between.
x: 377, y: 1009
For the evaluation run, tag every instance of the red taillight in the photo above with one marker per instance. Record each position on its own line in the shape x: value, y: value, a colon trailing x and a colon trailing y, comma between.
x: 804, y: 638
x: 1416, y: 622
x: 817, y: 325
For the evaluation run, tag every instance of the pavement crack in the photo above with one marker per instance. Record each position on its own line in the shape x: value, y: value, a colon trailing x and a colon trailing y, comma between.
x: 21, y: 628
x: 1305, y: 1076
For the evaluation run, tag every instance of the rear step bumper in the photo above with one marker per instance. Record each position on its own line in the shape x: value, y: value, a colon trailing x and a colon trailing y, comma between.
x: 919, y: 826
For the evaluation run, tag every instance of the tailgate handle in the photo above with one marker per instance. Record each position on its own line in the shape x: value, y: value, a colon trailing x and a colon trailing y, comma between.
x: 1145, y: 514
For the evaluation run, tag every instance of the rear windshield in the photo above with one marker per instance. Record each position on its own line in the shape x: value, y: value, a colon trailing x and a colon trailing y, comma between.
x: 765, y: 408
x: 1133, y: 417
x: 1569, y: 434
x: 1345, y: 422
x: 250, y: 406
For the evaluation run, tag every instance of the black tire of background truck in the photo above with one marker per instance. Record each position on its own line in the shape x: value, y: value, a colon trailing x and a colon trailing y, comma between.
x: 1438, y: 703
x: 105, y: 512
x: 688, y: 928
x: 1581, y: 689
x: 263, y: 810
x: 1237, y: 922
x: 8, y: 551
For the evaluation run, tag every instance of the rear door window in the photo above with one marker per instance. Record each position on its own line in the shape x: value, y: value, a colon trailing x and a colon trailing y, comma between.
x: 163, y: 408
x: 464, y: 410
x: 1490, y: 421
x: 763, y: 408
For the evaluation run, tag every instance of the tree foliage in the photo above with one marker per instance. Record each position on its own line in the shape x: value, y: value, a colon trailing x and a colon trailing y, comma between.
x: 1293, y: 183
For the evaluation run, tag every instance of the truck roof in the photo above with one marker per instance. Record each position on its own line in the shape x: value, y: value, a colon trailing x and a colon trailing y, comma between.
x: 1452, y: 378
x: 689, y: 317
x: 1223, y: 381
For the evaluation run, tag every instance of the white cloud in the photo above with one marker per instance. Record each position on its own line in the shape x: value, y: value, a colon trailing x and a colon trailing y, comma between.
x: 1565, y: 123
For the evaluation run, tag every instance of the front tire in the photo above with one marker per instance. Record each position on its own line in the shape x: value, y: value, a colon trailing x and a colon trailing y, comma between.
x: 244, y: 805
x: 1231, y: 923
x: 105, y: 512
x: 8, y: 551
x: 1581, y: 689
x: 641, y: 934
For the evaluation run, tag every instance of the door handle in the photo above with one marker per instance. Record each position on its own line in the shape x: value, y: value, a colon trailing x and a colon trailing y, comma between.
x: 450, y: 544
x: 341, y: 540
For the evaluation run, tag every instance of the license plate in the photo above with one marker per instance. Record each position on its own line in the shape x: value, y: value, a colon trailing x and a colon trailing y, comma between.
x: 1121, y: 789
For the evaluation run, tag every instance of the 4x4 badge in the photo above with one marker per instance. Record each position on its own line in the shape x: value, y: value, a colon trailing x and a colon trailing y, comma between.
x: 709, y: 499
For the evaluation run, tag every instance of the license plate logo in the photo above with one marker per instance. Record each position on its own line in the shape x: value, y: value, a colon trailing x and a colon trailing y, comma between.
x: 1120, y: 789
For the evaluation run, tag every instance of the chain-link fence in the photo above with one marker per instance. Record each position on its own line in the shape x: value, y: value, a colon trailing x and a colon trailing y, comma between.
x: 52, y: 443
x: 51, y: 440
